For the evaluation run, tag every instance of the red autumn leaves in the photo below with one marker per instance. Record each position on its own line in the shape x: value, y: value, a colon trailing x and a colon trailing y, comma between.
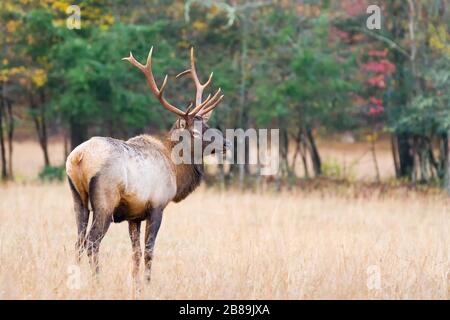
x: 377, y: 106
x: 378, y: 69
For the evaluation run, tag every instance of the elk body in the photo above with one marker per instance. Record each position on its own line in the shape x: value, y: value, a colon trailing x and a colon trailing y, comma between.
x: 134, y: 180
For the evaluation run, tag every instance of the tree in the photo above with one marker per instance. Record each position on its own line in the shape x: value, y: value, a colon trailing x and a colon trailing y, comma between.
x: 379, y: 71
x: 314, y: 81
x: 10, y: 73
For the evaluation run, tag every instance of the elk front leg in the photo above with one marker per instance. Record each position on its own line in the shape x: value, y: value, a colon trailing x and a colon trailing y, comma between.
x: 134, y: 228
x: 151, y: 231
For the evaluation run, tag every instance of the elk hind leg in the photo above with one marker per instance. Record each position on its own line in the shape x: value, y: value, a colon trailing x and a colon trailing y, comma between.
x: 82, y: 218
x: 103, y: 201
x: 100, y: 225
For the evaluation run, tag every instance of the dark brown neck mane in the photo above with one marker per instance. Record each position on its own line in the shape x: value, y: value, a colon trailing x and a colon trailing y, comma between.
x: 188, y: 176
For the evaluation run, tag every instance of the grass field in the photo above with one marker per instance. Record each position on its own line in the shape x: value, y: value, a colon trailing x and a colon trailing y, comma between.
x: 234, y: 245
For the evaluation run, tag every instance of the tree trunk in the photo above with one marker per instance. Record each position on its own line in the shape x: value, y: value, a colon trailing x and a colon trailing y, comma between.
x: 41, y: 130
x: 447, y: 173
x: 404, y: 147
x: 4, y: 173
x: 298, y: 146
x: 44, y: 143
x: 405, y: 156
x: 394, y: 149
x: 10, y: 134
x: 78, y: 132
x: 443, y: 157
x: 40, y: 123
x: 300, y: 149
x: 314, y: 152
x: 243, y: 168
x: 303, y: 154
x: 374, y: 158
x: 284, y: 151
x: 433, y: 162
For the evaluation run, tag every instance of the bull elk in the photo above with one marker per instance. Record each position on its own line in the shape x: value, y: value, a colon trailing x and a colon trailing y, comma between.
x: 134, y: 180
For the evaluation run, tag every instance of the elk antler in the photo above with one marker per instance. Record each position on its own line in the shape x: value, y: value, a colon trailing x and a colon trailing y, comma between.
x: 147, y: 70
x: 211, y: 102
x: 200, y: 108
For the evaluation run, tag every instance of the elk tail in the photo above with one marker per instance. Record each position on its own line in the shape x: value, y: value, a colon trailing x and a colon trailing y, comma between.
x: 74, y: 172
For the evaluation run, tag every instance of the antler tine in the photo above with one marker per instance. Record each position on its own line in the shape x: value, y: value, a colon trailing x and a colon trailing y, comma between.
x: 198, y: 85
x: 209, y: 80
x: 205, y: 104
x: 134, y: 62
x: 200, y: 106
x: 147, y: 70
x: 193, y: 70
x: 208, y: 109
x: 148, y: 63
x: 163, y: 86
x: 185, y: 72
x: 186, y: 113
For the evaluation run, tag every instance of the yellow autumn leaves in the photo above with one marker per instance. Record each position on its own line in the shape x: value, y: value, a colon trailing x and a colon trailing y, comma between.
x: 12, y: 25
x: 439, y: 39
x: 97, y: 14
x: 5, y: 74
x: 37, y: 76
x: 90, y: 15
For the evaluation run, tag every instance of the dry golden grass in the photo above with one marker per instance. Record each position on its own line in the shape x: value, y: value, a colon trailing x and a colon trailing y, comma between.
x: 229, y: 245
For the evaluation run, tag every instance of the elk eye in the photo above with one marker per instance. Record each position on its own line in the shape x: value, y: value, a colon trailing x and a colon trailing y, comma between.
x: 196, y: 134
x: 182, y: 123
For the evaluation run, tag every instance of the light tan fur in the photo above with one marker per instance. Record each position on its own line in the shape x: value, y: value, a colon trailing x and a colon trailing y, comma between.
x: 124, y: 171
x: 84, y: 162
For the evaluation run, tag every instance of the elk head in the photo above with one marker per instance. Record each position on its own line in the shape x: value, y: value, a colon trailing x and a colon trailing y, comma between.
x: 194, y: 119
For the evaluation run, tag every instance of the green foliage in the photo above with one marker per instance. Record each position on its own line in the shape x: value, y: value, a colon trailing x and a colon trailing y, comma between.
x: 52, y: 173
x: 96, y: 86
x: 429, y: 111
x: 314, y: 77
x: 332, y: 168
x: 278, y: 64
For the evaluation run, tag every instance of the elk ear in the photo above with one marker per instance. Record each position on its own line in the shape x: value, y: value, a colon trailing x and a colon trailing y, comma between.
x: 182, y: 123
